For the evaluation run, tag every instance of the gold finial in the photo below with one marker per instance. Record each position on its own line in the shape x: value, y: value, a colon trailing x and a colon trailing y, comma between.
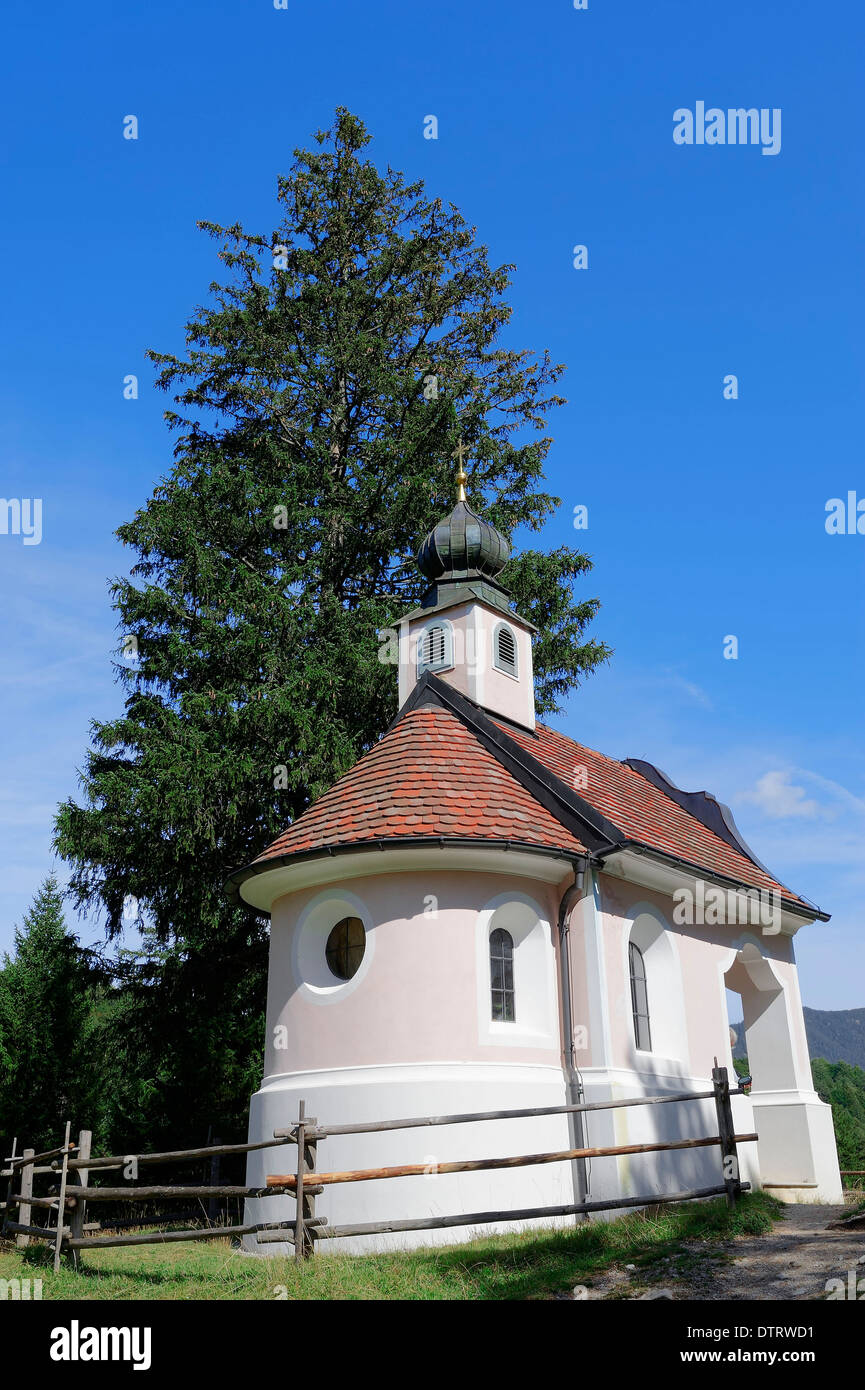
x: 462, y: 476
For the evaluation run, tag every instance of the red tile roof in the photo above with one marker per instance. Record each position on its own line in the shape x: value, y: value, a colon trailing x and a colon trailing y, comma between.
x: 639, y: 809
x: 428, y: 776
x: 433, y: 775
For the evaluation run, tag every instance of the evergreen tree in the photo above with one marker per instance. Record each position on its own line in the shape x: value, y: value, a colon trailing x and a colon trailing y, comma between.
x: 319, y: 401
x: 44, y: 1002
x: 843, y: 1087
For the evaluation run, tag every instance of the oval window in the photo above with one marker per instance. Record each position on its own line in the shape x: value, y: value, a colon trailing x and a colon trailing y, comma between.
x: 345, y: 947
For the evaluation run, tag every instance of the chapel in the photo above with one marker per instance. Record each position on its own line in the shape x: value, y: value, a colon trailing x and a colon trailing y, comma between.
x: 484, y: 914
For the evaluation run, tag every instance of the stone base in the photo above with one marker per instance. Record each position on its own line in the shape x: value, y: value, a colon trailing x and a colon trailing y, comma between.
x: 360, y: 1094
x: 798, y: 1158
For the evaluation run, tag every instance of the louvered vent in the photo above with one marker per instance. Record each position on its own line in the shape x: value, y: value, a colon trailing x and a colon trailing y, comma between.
x: 434, y: 651
x: 505, y: 651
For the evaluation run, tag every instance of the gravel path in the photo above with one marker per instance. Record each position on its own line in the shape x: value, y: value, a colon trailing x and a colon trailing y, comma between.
x: 793, y: 1262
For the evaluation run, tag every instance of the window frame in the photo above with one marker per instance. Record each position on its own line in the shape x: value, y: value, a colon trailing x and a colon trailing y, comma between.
x: 497, y: 662
x: 500, y: 936
x: 641, y: 1017
x: 309, y: 931
x: 446, y: 664
x: 346, y: 951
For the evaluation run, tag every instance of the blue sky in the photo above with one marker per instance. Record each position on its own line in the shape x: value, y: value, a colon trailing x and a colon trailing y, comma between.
x: 706, y: 515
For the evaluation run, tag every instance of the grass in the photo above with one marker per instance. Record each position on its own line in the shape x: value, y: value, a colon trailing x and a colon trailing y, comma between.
x: 522, y: 1265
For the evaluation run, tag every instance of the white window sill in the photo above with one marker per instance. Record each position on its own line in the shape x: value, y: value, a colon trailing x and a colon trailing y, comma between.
x: 518, y: 1035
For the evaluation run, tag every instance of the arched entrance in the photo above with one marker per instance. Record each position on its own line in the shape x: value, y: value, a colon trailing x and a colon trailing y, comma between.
x: 796, y: 1145
x: 768, y: 1039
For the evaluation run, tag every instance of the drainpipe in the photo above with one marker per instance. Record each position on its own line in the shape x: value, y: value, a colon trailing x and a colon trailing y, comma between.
x: 572, y: 1078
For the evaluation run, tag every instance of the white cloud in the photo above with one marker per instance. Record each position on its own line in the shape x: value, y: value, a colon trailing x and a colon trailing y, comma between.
x: 835, y: 790
x: 779, y: 798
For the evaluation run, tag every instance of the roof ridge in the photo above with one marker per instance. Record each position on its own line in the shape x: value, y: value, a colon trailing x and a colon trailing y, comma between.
x: 569, y: 808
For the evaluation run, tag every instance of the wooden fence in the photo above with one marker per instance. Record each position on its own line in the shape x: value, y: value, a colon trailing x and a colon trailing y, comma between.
x: 71, y: 1166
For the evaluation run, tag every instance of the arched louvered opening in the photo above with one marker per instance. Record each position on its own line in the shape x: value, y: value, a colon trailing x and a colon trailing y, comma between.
x: 435, y: 648
x: 505, y: 650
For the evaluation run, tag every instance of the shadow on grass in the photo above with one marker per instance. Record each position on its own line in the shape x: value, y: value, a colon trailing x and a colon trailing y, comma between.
x: 532, y: 1265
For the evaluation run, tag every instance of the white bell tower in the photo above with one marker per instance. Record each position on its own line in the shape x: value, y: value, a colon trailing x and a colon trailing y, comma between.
x: 465, y: 630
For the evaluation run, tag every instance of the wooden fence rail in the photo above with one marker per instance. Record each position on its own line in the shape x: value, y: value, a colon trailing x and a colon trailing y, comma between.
x: 28, y: 1157
x: 480, y: 1218
x: 478, y: 1165
x: 377, y: 1126
x: 305, y: 1228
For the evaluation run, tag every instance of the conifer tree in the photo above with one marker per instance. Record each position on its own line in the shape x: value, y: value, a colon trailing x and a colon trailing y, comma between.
x: 317, y: 406
x: 43, y: 1010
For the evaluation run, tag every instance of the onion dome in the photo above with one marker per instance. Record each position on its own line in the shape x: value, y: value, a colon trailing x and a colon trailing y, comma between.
x: 462, y: 545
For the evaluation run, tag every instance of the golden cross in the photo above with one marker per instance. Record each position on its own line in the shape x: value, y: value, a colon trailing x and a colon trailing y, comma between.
x: 462, y: 476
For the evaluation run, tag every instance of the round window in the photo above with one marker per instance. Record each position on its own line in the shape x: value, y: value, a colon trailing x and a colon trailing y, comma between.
x: 345, y: 947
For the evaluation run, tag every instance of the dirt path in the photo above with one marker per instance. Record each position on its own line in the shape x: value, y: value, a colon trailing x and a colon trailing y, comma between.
x: 794, y: 1263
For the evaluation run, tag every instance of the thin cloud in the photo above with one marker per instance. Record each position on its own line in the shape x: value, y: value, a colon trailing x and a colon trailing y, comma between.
x: 671, y: 680
x: 779, y: 798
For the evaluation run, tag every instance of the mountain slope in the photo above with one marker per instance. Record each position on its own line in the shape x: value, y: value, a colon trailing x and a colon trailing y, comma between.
x: 836, y: 1034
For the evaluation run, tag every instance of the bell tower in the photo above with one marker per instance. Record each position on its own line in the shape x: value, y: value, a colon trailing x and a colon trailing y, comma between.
x: 465, y: 630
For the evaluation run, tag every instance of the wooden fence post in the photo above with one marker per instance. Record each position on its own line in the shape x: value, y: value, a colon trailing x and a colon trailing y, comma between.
x: 61, y: 1205
x: 298, y: 1226
x: 22, y: 1239
x: 9, y: 1181
x: 306, y: 1160
x: 80, y: 1177
x: 727, y: 1133
x: 213, y: 1202
x: 310, y: 1158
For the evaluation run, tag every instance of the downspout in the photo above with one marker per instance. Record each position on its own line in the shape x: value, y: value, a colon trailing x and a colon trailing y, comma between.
x: 574, y: 1086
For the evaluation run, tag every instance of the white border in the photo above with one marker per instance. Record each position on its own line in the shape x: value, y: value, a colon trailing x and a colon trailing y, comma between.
x: 309, y: 937
x: 516, y: 1034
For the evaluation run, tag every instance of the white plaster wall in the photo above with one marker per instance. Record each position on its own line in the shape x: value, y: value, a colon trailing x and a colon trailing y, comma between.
x: 472, y: 672
x: 421, y: 992
x: 411, y: 1035
x: 687, y: 997
x: 352, y: 1095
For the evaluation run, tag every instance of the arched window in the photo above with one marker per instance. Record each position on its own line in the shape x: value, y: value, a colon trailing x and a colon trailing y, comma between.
x: 345, y: 947
x: 505, y: 650
x: 502, y: 976
x: 435, y: 648
x: 639, y: 999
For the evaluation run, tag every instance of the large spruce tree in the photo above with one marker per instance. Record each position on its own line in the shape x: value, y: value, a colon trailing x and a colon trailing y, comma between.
x: 319, y: 400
